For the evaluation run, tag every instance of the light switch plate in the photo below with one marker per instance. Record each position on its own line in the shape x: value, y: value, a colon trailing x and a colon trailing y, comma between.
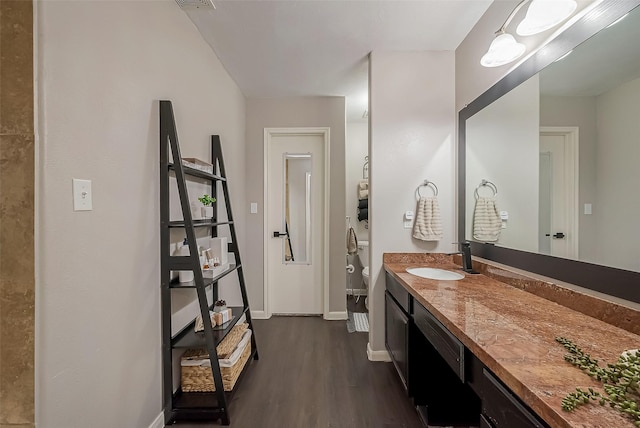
x: 587, y: 209
x: 254, y: 208
x: 82, y: 199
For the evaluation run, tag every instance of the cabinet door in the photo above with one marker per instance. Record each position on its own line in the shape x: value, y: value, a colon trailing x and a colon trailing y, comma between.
x: 396, y: 336
x: 503, y: 409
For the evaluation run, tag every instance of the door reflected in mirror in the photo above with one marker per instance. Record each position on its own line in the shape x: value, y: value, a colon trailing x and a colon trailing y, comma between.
x: 296, y: 243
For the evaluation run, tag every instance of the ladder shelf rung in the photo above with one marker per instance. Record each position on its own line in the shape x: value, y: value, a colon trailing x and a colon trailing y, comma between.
x: 200, y: 223
x: 197, y: 173
x: 175, y: 283
x: 188, y: 338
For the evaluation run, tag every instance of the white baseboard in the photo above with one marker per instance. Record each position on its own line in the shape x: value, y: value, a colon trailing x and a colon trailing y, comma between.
x: 356, y: 292
x: 259, y: 315
x: 377, y: 355
x: 158, y: 422
x: 336, y: 316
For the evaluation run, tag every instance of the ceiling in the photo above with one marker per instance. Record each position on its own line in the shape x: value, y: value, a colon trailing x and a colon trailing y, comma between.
x: 286, y: 48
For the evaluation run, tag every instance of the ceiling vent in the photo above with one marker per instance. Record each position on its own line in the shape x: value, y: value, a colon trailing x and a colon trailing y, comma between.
x: 196, y: 4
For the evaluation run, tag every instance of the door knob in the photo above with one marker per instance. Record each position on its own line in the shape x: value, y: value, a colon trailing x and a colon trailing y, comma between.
x: 559, y: 235
x: 278, y: 234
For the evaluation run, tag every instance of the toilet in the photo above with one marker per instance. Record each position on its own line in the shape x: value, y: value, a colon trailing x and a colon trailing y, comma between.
x: 363, y: 255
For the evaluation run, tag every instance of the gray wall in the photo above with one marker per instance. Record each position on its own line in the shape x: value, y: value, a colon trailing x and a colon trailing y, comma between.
x: 102, y: 67
x: 295, y: 112
x: 412, y: 139
x: 618, y: 176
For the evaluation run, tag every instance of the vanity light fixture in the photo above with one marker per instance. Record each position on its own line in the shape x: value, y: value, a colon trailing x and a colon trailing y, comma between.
x: 541, y: 15
x: 545, y: 14
x: 503, y: 50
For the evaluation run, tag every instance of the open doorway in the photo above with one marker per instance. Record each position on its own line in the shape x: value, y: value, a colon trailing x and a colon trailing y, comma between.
x: 357, y: 206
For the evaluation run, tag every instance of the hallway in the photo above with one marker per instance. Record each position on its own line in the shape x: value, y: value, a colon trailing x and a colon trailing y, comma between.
x: 314, y: 374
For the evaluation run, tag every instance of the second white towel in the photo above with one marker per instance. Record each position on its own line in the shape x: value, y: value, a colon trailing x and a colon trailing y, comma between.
x: 486, y: 220
x: 428, y: 224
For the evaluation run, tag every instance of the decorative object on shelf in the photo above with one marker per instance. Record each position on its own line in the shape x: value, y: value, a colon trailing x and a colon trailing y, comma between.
x: 620, y: 381
x: 184, y: 275
x: 199, y: 325
x: 207, y: 209
x: 198, y: 164
x: 223, y: 316
x: 220, y: 306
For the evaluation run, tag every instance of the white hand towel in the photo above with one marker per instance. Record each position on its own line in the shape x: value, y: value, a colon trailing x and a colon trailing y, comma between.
x: 363, y: 194
x: 428, y: 224
x: 363, y: 185
x: 486, y: 220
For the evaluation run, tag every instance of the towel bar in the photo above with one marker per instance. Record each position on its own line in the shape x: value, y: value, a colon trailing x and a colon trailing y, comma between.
x: 486, y: 183
x: 427, y: 183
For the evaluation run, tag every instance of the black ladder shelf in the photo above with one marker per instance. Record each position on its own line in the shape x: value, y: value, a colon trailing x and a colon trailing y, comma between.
x: 194, y: 406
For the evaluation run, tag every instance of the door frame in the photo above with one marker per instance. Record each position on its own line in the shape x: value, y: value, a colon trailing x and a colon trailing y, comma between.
x: 572, y: 179
x: 269, y: 133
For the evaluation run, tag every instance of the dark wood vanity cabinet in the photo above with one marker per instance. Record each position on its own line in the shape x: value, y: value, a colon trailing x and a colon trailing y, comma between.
x: 500, y: 407
x: 437, y: 390
x: 396, y: 338
x: 443, y: 398
x: 447, y: 383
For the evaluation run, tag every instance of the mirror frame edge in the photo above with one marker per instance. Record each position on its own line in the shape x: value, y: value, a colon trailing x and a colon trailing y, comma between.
x: 604, y: 279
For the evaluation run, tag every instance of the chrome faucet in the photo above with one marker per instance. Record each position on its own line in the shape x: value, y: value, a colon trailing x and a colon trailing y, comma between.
x: 465, y: 251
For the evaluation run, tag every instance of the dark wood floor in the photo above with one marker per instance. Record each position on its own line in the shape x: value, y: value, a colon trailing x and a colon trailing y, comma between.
x: 314, y: 374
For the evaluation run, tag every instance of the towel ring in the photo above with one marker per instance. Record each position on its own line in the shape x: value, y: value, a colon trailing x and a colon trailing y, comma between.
x: 365, y: 168
x: 427, y: 183
x: 486, y: 183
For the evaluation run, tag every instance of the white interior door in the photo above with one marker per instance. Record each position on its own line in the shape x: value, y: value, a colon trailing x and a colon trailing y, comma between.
x: 295, y: 219
x: 558, y: 195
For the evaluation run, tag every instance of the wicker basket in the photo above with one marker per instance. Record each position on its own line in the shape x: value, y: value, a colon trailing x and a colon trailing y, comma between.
x: 200, y: 378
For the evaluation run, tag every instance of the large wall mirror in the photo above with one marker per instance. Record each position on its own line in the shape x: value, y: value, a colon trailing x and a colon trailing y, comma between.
x: 550, y: 158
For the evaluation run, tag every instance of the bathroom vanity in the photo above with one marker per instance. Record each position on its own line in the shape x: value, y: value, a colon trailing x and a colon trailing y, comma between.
x: 481, y: 352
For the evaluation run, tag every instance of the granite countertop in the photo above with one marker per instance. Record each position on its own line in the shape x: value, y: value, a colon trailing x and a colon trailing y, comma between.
x: 513, y: 333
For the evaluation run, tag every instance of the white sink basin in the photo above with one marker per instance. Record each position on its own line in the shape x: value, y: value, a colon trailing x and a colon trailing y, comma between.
x: 432, y: 273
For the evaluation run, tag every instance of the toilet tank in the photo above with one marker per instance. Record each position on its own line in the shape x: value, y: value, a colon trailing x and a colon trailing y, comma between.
x: 363, y: 253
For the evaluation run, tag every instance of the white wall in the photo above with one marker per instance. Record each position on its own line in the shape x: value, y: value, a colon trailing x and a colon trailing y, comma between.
x: 502, y: 146
x: 103, y: 66
x: 580, y: 112
x: 295, y: 112
x: 618, y: 176
x: 412, y: 138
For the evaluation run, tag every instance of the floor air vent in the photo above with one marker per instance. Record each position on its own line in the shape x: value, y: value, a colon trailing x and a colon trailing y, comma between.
x: 196, y: 4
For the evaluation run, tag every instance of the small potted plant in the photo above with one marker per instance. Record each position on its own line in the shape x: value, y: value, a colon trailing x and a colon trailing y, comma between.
x: 207, y: 209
